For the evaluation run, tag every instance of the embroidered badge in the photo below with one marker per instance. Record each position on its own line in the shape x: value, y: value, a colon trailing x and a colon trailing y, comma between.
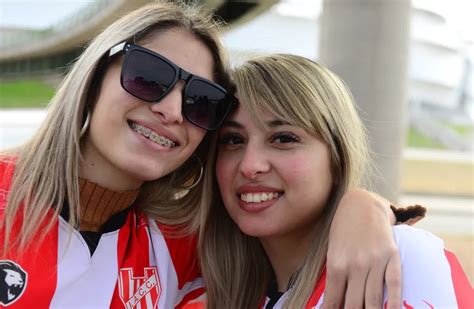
x: 13, y: 280
x: 144, y: 290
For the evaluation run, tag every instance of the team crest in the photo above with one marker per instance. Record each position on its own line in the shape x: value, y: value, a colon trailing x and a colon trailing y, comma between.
x: 139, y: 292
x: 13, y: 281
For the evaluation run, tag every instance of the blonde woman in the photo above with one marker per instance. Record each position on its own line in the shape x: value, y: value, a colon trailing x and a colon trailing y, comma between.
x: 89, y: 214
x: 285, y: 159
x: 116, y: 145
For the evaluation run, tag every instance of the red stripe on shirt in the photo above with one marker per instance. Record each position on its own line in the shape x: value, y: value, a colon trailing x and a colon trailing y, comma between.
x: 134, y: 264
x: 183, y: 254
x: 462, y: 286
x: 38, y: 261
x: 318, y: 291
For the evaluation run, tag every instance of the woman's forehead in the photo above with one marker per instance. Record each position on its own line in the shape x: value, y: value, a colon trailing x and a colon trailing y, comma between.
x: 264, y: 119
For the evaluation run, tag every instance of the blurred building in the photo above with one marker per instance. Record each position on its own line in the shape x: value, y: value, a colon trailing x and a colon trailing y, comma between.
x: 441, y: 66
x: 440, y: 72
x: 51, y: 50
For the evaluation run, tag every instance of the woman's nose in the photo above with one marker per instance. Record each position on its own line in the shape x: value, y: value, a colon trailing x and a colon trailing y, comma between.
x: 169, y: 108
x: 254, y: 162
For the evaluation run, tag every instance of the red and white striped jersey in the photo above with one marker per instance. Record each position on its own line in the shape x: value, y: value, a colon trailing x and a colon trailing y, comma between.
x: 135, y: 266
x: 432, y: 276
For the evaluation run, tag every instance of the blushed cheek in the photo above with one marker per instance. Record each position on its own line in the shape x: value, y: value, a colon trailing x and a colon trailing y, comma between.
x: 307, y: 173
x: 297, y: 168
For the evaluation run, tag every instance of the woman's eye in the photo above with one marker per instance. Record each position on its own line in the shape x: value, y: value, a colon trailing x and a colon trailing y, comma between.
x: 284, y: 138
x: 231, y: 139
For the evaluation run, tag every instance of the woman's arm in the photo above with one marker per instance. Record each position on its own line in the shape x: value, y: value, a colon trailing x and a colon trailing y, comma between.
x: 362, y: 253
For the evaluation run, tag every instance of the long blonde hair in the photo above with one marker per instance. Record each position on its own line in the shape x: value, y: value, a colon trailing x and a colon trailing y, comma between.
x: 47, y: 166
x: 304, y: 93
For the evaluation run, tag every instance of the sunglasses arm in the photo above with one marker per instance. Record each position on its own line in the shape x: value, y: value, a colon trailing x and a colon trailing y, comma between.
x: 117, y: 48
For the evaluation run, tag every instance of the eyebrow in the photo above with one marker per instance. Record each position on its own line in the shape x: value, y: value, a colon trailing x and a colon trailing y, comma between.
x: 272, y: 124
x: 277, y: 123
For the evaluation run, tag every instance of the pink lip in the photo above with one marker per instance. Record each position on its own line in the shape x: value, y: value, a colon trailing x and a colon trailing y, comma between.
x: 157, y: 129
x: 256, y: 207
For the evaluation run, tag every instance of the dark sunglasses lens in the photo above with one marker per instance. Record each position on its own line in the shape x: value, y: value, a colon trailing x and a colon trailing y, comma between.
x: 146, y: 76
x: 205, y: 105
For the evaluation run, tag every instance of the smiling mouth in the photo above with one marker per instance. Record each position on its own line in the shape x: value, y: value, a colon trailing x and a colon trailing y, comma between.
x: 151, y: 135
x: 259, y: 197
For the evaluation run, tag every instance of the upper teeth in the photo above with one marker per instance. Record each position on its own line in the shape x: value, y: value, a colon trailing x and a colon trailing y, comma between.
x: 153, y: 136
x: 258, y: 197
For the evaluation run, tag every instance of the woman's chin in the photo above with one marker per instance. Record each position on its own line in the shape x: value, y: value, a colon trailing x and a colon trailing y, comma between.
x: 260, y: 230
x: 147, y: 172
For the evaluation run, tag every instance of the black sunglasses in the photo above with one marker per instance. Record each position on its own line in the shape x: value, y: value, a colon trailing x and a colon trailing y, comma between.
x: 149, y: 76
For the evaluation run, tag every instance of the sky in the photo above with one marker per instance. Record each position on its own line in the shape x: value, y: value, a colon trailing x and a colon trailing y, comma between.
x: 37, y: 13
x: 42, y: 13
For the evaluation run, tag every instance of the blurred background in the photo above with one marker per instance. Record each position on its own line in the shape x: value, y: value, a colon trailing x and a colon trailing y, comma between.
x: 408, y: 63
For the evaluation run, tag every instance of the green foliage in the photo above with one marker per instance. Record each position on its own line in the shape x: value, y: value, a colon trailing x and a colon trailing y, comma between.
x: 462, y: 129
x: 417, y: 140
x: 25, y: 94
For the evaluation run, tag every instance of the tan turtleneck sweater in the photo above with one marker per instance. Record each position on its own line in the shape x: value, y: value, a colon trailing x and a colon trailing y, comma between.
x: 98, y: 204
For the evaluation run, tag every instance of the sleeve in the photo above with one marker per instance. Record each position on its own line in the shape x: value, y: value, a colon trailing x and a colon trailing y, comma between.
x: 432, y: 277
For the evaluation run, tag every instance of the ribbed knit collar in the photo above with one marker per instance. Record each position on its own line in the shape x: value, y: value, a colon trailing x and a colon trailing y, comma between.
x: 98, y: 204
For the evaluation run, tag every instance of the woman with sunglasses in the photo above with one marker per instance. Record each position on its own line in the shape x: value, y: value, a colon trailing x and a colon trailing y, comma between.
x: 285, y: 158
x: 92, y: 209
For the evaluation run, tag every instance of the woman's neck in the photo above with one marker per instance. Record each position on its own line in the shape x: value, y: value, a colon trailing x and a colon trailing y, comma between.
x: 96, y: 169
x: 287, y: 254
x: 108, y: 179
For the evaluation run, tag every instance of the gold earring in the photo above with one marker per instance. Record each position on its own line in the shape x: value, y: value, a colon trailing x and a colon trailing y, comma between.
x: 195, y: 183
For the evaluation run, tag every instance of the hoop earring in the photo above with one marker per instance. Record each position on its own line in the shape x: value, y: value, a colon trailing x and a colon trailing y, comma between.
x: 85, y: 126
x: 201, y: 173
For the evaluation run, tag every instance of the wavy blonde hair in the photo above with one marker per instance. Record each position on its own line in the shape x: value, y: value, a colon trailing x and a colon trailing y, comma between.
x: 47, y: 166
x: 307, y: 95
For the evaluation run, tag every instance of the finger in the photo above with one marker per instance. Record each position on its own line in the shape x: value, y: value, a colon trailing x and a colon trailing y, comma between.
x: 375, y: 285
x: 356, y: 286
x: 335, y: 287
x: 393, y: 280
